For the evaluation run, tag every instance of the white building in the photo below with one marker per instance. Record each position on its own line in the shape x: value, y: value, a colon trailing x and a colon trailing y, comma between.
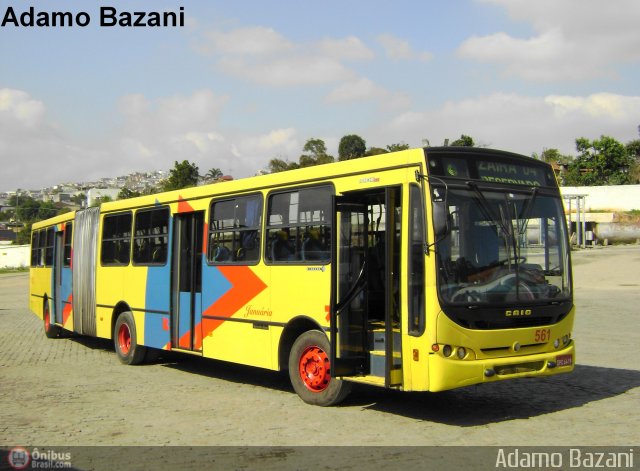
x: 94, y: 194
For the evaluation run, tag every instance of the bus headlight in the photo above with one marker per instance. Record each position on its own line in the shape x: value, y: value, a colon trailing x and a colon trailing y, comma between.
x: 446, y: 351
x: 556, y: 343
x: 462, y: 352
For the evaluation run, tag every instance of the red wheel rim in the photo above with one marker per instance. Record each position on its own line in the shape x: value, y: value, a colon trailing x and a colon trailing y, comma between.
x: 47, y: 319
x: 314, y: 369
x: 124, y: 339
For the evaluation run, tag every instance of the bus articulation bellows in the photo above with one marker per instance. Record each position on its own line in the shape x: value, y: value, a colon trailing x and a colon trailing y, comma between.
x: 421, y: 270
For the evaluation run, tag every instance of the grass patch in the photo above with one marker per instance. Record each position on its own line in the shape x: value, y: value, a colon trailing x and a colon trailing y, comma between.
x: 14, y: 270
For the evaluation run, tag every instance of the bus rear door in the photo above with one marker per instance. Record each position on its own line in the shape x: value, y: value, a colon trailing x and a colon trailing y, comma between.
x: 186, y: 319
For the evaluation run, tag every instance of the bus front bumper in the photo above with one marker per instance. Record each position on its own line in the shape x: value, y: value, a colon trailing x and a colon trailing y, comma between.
x: 450, y: 373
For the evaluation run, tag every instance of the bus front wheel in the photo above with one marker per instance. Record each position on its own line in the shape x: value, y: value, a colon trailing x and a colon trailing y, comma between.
x: 51, y: 330
x: 310, y: 371
x: 125, y: 340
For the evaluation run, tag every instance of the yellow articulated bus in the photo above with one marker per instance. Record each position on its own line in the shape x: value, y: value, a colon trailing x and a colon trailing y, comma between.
x: 421, y: 270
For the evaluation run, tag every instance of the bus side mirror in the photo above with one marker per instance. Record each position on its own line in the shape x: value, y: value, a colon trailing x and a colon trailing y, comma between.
x: 440, y: 220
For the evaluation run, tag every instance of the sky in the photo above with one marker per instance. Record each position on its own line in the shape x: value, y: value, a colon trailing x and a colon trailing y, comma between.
x: 246, y: 81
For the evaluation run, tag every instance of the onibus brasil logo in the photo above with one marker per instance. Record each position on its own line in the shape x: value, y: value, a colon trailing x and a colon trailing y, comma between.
x: 20, y: 458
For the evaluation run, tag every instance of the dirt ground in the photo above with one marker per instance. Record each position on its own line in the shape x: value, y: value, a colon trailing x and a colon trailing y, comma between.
x: 73, y: 391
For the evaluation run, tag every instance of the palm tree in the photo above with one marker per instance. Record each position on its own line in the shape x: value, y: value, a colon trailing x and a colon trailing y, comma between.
x: 213, y: 174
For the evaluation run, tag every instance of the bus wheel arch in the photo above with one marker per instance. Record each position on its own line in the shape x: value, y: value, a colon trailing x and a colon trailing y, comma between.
x: 125, y: 340
x: 294, y: 329
x: 310, y: 371
x: 117, y: 311
x: 51, y: 330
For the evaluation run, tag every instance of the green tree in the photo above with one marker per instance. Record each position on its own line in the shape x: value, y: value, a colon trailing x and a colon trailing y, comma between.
x: 79, y: 199
x: 26, y: 209
x: 351, y: 146
x: 29, y: 210
x: 6, y: 215
x: 127, y: 193
x: 102, y: 199
x: 315, y: 153
x: 24, y: 236
x: 397, y: 147
x: 49, y: 209
x: 213, y: 174
x: 376, y: 151
x: 183, y: 175
x: 552, y: 156
x: 603, y: 161
x: 633, y: 149
x: 279, y: 165
x: 315, y: 147
x: 464, y: 141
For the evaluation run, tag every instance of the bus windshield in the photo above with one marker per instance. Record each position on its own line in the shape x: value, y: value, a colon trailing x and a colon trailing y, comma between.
x: 503, y: 247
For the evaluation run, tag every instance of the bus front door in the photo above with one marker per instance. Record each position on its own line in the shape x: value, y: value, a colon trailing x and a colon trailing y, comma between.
x: 186, y: 291
x: 365, y: 304
x: 349, y: 300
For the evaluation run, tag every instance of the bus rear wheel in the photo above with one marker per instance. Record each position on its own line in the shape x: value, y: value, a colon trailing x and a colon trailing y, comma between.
x: 125, y: 340
x: 310, y: 371
x: 51, y: 330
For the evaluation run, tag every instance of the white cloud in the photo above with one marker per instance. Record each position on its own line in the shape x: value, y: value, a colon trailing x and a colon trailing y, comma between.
x: 19, y: 108
x: 158, y: 132
x: 277, y: 138
x: 34, y: 152
x: 252, y: 152
x: 204, y: 141
x: 520, y: 123
x: 172, y: 115
x: 616, y: 108
x: 349, y: 48
x: 288, y: 71
x: 574, y: 40
x: 251, y: 41
x: 264, y: 56
x: 363, y: 89
x: 400, y: 49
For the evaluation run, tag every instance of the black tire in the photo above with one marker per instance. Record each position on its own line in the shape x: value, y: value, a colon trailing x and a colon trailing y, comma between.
x: 310, y: 371
x: 51, y: 330
x: 125, y: 340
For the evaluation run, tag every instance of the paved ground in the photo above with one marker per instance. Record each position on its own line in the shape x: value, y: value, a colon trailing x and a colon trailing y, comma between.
x: 73, y: 391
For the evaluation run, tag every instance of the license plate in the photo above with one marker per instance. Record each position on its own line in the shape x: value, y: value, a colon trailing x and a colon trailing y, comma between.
x: 564, y: 360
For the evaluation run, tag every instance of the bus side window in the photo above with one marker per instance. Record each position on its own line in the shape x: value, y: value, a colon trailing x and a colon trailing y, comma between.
x: 299, y: 226
x: 68, y: 237
x: 416, y: 262
x: 48, y: 249
x: 35, y: 248
x: 116, y: 239
x: 151, y: 236
x: 234, y: 230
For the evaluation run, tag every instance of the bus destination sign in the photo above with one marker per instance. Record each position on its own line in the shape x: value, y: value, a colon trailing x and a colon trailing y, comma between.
x: 511, y: 173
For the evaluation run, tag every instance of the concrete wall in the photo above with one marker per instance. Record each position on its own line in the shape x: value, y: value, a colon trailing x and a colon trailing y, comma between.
x: 14, y: 256
x: 606, y: 198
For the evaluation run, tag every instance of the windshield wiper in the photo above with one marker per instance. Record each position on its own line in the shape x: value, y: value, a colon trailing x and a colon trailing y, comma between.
x: 526, y: 211
x: 485, y: 207
x: 502, y: 222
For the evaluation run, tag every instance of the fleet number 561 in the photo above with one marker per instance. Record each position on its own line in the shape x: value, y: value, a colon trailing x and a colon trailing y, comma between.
x: 542, y: 335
